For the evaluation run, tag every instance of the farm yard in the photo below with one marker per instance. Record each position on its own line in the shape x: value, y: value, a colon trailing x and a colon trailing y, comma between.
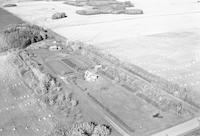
x: 117, y: 99
x: 54, y: 65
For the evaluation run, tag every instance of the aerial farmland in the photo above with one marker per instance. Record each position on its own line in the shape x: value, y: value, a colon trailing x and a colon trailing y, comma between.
x: 99, y: 68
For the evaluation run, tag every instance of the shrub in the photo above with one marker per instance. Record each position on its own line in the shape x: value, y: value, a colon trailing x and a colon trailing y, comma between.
x: 101, y: 130
x: 10, y: 5
x: 20, y: 36
x: 90, y: 129
x: 59, y: 15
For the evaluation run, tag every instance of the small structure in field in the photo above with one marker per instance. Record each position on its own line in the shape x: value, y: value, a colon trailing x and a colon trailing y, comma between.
x: 90, y: 76
x: 55, y: 48
x: 59, y: 15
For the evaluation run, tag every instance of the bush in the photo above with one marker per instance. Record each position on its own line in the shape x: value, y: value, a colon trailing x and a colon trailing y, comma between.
x: 83, y: 128
x: 59, y: 15
x: 10, y: 5
x: 90, y: 129
x: 101, y: 130
x: 20, y: 36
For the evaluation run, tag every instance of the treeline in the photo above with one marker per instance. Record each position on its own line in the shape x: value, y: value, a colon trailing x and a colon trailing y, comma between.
x: 20, y: 36
x: 82, y: 129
